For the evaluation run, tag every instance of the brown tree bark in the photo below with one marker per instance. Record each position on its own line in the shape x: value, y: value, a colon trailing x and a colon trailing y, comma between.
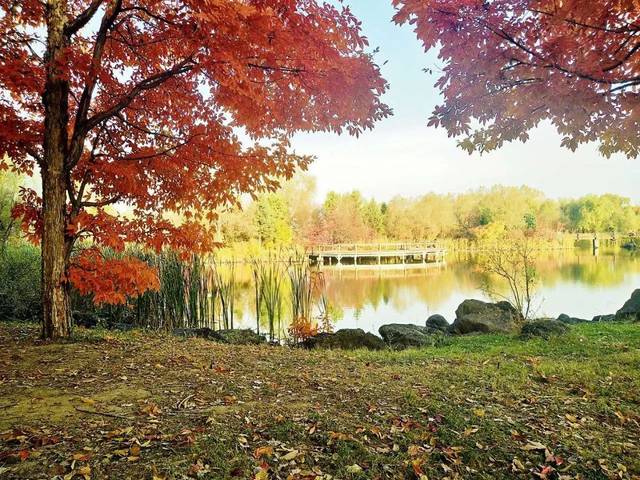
x: 56, y: 321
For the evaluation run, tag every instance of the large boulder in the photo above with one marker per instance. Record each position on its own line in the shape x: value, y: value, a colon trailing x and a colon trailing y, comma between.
x: 346, y: 339
x: 631, y: 309
x: 483, y: 317
x: 437, y: 322
x: 237, y: 337
x: 564, y: 318
x: 400, y: 336
x: 543, y: 328
x: 604, y: 318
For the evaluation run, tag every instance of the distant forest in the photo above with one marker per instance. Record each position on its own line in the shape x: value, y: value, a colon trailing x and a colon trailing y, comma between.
x: 291, y: 215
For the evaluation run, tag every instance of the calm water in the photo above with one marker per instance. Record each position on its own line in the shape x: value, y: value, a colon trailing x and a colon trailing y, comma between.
x: 570, y: 281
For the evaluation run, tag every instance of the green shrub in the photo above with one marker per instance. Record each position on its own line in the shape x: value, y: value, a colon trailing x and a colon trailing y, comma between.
x: 20, y: 282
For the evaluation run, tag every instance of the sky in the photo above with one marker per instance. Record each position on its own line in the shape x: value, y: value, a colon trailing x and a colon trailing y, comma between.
x: 402, y: 156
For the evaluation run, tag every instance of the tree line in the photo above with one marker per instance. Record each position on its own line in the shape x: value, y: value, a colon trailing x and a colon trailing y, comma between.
x: 292, y: 215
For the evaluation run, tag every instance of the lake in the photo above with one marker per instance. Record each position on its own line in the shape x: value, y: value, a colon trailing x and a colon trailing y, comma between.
x: 574, y: 282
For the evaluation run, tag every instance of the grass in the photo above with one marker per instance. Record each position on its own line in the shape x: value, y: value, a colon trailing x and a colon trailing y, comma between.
x: 486, y: 407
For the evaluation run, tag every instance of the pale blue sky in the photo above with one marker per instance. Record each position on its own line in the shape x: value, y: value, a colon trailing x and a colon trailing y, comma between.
x: 402, y: 156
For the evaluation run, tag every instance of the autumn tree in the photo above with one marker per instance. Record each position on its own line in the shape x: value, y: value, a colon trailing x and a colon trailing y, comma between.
x: 342, y: 215
x: 144, y: 104
x: 514, y: 262
x: 511, y: 64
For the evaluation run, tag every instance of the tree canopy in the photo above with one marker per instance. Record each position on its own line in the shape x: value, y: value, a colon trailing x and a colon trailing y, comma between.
x: 511, y: 64
x: 484, y: 214
x: 146, y: 104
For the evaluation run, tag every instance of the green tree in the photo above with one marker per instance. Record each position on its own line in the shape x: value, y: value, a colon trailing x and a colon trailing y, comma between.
x: 530, y: 221
x: 272, y: 220
x: 9, y: 183
x: 373, y: 217
x: 600, y: 213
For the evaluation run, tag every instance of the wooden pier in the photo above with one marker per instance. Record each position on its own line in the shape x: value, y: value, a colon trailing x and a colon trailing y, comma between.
x: 376, y: 254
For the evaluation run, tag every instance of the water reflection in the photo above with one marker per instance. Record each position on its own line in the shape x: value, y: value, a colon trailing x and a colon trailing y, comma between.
x: 570, y: 281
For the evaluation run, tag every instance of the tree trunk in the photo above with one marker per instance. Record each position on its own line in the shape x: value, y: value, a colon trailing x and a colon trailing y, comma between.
x: 56, y: 321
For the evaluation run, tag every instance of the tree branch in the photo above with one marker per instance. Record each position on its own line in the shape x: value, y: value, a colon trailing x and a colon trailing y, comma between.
x: 147, y: 84
x: 101, y: 203
x: 82, y: 19
x: 77, y: 142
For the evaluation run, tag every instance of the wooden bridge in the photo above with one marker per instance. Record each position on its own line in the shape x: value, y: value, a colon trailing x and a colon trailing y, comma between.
x: 376, y: 254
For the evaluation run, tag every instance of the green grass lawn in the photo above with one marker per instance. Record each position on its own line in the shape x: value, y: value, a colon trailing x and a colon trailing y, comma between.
x: 138, y: 405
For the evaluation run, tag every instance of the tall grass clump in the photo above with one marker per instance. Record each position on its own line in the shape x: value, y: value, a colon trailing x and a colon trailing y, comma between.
x: 301, y: 287
x: 187, y: 295
x: 19, y: 282
x: 225, y: 279
x: 257, y: 288
x: 271, y: 293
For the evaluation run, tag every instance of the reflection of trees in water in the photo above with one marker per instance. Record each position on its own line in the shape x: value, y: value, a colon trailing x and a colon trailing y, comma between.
x: 608, y: 269
x: 433, y: 286
x: 399, y: 288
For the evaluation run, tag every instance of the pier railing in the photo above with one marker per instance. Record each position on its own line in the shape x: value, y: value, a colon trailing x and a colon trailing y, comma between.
x: 380, y: 253
x: 350, y: 248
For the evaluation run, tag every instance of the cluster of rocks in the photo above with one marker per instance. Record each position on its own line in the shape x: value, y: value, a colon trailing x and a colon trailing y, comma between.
x: 472, y: 317
x: 630, y: 312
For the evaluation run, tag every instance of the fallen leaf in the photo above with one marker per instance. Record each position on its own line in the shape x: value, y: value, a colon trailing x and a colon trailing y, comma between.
x: 261, y: 475
x: 534, y: 446
x: 263, y: 452
x: 290, y: 456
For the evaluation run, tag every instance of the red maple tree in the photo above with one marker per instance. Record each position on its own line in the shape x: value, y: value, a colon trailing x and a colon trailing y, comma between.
x: 170, y: 108
x: 510, y: 64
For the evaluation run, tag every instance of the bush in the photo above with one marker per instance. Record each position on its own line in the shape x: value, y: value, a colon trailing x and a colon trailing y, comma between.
x: 20, y: 282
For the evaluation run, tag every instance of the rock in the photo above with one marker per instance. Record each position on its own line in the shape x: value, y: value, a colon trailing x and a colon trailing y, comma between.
x: 207, y: 333
x: 236, y: 337
x: 543, y: 328
x: 604, y: 318
x: 185, y: 332
x: 437, y: 322
x: 347, y: 339
x: 477, y: 316
x: 631, y: 309
x: 564, y: 318
x: 85, y: 319
x: 400, y: 336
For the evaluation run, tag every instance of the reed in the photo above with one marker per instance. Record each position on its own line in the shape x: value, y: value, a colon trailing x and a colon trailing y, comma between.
x: 271, y: 283
x: 257, y: 288
x: 324, y: 307
x: 226, y: 285
x: 301, y: 287
x: 202, y: 291
x: 187, y: 295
